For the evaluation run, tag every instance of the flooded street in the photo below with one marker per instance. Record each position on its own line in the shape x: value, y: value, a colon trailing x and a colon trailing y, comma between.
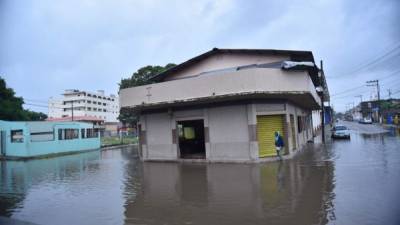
x: 353, y: 181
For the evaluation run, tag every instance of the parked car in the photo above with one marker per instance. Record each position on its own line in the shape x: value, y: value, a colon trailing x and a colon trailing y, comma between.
x: 340, y: 131
x: 366, y: 121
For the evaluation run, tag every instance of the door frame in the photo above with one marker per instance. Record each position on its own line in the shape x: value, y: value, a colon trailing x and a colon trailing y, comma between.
x: 176, y: 135
x: 2, y: 142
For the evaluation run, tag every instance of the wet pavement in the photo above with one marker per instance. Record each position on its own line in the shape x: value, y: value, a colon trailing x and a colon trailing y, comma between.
x: 353, y: 181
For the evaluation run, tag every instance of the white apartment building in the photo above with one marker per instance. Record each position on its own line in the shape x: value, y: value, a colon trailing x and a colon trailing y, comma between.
x: 84, y: 104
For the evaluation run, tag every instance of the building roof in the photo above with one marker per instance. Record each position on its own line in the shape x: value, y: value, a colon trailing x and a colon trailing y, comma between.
x: 294, y: 56
x: 76, y: 118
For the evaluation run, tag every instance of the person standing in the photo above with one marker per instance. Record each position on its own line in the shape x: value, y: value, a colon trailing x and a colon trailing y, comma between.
x: 279, y: 144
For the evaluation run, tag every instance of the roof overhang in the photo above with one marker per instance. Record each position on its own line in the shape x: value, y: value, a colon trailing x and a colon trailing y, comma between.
x: 302, y: 99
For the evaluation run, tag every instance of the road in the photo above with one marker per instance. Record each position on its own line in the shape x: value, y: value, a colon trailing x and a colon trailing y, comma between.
x: 363, y: 128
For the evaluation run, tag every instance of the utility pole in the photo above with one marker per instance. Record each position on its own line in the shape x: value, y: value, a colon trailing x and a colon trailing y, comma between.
x: 359, y: 96
x: 390, y: 93
x: 322, y: 102
x: 375, y: 83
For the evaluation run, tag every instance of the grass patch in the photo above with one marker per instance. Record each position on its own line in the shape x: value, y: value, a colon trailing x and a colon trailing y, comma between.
x: 110, y: 141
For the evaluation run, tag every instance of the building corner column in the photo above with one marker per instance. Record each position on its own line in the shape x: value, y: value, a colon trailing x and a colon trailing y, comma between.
x: 207, y: 134
x: 252, y: 129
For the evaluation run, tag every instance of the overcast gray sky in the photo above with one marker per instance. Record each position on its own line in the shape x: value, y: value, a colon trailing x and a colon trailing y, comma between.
x: 47, y: 46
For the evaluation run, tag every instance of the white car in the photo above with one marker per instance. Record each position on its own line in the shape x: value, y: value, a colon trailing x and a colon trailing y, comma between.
x: 340, y: 131
x: 366, y: 120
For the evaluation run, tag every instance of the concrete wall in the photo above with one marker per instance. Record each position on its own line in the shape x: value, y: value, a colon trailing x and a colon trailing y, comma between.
x: 30, y: 148
x: 159, y: 137
x: 222, y: 61
x: 305, y: 135
x: 250, y: 81
x: 229, y: 133
x: 230, y: 130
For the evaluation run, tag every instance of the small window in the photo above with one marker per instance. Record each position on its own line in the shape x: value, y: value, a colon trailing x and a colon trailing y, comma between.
x: 67, y: 134
x: 91, y: 133
x: 104, y: 104
x: 89, y: 95
x: 82, y: 133
x: 99, y: 103
x: 42, y: 136
x: 88, y: 101
x: 104, y: 110
x: 71, y: 133
x: 17, y: 136
x: 300, y: 124
x: 60, y: 134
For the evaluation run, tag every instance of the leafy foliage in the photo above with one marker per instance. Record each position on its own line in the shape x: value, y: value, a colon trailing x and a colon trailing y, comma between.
x: 140, y: 77
x: 387, y: 105
x: 11, y: 106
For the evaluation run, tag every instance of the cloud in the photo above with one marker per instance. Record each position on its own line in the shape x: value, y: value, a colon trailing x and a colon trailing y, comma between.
x: 48, y: 46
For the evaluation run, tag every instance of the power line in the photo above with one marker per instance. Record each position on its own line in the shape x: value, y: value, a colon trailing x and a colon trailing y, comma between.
x: 36, y: 105
x: 348, y: 90
x: 352, y: 94
x: 390, y: 75
x: 43, y: 106
x: 36, y: 100
x: 369, y: 63
x: 358, y: 87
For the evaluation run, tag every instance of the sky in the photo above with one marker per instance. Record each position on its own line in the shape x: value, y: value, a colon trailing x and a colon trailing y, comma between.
x: 48, y: 46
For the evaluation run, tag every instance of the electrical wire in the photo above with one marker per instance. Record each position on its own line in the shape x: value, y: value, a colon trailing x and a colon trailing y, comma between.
x: 370, y: 62
x: 358, y: 87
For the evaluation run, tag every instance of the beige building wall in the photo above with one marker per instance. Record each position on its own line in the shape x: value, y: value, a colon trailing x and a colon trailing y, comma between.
x: 223, y: 61
x: 256, y: 80
x: 159, y: 137
x: 230, y: 131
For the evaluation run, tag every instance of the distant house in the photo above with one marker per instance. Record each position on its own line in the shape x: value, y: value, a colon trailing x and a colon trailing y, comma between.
x: 87, y: 106
x: 226, y: 105
x: 389, y: 110
x: 34, y: 139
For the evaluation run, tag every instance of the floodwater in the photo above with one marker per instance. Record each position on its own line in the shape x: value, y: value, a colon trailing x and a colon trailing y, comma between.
x: 343, y: 182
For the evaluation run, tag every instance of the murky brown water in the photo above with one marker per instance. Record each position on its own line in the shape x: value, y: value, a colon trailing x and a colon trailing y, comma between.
x: 347, y: 182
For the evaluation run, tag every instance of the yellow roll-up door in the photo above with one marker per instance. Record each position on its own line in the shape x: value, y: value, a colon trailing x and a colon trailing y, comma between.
x: 266, y: 127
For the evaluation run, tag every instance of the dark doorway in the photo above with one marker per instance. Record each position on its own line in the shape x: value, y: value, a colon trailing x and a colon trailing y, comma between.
x: 191, y: 139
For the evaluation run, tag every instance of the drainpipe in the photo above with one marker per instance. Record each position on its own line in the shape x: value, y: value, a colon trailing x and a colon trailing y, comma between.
x: 322, y: 102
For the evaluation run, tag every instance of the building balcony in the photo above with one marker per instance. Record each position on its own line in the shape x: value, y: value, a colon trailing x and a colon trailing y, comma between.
x: 255, y: 83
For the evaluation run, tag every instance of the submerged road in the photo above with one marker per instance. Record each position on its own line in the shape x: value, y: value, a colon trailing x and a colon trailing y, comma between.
x: 353, y: 181
x: 364, y: 128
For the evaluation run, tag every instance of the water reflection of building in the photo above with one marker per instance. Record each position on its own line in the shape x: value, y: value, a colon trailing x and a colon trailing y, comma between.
x: 17, y: 177
x: 288, y: 193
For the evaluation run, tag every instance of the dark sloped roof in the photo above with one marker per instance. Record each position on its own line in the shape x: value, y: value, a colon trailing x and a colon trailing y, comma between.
x: 294, y: 56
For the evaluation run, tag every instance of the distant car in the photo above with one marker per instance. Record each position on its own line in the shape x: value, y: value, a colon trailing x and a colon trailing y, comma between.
x: 340, y: 131
x: 366, y: 121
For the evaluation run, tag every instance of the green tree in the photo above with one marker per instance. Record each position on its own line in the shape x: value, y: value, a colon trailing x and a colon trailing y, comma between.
x: 11, y: 106
x: 138, y: 78
x: 142, y: 76
x: 35, y: 116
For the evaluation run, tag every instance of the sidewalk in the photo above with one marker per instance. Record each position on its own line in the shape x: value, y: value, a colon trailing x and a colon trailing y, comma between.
x: 390, y: 125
